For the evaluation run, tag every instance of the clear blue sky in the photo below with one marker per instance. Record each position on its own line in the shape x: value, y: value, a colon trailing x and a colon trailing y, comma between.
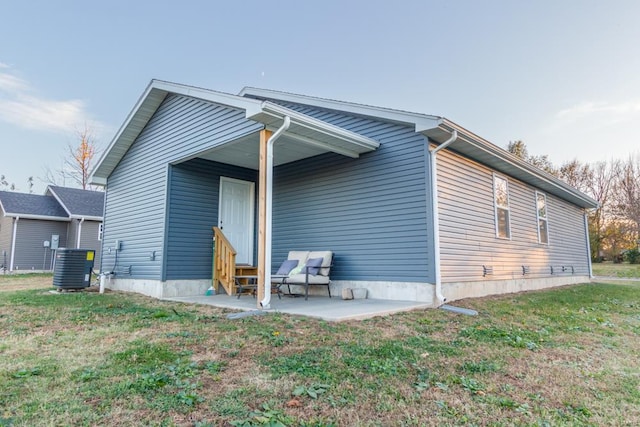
x: 564, y: 76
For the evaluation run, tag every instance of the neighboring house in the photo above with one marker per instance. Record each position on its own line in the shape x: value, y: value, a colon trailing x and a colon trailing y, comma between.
x: 33, y: 226
x: 414, y: 206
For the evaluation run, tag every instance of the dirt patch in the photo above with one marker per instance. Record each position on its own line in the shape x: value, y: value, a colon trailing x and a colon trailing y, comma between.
x: 23, y: 282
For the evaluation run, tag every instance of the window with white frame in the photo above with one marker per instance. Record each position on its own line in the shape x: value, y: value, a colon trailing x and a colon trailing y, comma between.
x: 100, y: 230
x: 501, y: 200
x: 541, y: 207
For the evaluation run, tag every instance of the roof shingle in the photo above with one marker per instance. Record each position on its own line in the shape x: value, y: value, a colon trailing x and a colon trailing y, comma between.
x: 31, y: 204
x: 78, y: 202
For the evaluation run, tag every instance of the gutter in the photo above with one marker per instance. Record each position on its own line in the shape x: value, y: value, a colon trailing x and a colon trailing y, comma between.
x: 529, y: 172
x: 586, y: 234
x: 440, y: 299
x: 13, y: 242
x: 265, y: 303
x: 41, y: 217
x: 80, y: 221
x: 320, y: 126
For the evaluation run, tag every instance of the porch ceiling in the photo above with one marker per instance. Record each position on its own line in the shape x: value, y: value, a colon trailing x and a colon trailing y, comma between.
x: 306, y: 137
x: 245, y: 152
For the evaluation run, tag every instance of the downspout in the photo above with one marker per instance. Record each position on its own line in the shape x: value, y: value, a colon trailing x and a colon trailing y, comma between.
x: 586, y: 234
x: 440, y: 299
x: 13, y: 242
x: 268, y: 215
x: 80, y: 221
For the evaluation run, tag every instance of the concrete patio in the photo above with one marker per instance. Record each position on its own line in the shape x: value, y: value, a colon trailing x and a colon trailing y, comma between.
x: 331, y: 309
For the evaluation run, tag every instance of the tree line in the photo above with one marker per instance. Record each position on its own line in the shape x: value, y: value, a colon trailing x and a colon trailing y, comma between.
x: 614, y: 227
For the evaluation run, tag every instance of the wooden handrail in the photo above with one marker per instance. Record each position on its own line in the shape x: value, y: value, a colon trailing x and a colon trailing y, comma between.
x: 224, y: 262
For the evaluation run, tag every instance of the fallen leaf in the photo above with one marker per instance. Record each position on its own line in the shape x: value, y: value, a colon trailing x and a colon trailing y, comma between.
x: 294, y: 403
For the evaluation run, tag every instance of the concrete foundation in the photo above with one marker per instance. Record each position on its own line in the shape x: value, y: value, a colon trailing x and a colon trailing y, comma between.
x: 461, y: 290
x: 160, y: 289
x: 393, y: 291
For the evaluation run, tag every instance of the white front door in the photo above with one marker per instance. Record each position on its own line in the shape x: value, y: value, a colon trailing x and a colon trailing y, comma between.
x: 235, y: 216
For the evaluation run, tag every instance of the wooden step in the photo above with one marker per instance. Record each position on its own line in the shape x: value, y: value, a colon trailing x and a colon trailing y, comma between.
x: 246, y: 270
x: 247, y: 285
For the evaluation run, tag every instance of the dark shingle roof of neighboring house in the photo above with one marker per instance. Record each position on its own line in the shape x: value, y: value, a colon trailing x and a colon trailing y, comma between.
x: 31, y: 206
x: 79, y: 203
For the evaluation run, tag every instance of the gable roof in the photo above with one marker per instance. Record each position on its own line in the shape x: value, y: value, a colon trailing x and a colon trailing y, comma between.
x: 439, y: 129
x: 31, y: 206
x: 79, y: 203
x: 303, y: 127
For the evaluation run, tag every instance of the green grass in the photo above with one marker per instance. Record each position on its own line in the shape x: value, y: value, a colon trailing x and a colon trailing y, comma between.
x: 566, y: 356
x: 622, y: 270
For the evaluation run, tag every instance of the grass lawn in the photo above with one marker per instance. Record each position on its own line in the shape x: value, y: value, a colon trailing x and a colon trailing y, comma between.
x: 567, y: 356
x: 609, y: 269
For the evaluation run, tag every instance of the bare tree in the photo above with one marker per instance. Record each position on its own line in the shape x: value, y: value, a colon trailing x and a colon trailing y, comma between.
x: 576, y: 174
x: 519, y: 149
x: 600, y: 187
x: 627, y: 193
x: 77, y: 164
x: 5, y: 185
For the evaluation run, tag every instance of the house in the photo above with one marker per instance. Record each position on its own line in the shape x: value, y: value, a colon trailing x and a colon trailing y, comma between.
x: 33, y: 227
x: 414, y: 206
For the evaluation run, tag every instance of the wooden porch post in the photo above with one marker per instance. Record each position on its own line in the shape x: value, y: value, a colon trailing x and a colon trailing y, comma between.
x: 262, y: 213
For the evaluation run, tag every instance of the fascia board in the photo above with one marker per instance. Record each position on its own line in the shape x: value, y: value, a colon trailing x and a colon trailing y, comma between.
x: 86, y: 218
x: 40, y: 217
x: 504, y: 156
x: 96, y: 172
x: 420, y: 121
x: 320, y: 126
x: 95, y: 180
x: 144, y: 109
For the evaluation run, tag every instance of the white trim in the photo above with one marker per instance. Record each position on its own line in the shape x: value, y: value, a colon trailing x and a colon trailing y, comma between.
x: 87, y: 218
x: 259, y: 111
x: 252, y: 212
x: 586, y: 235
x: 42, y: 217
x: 320, y: 126
x: 78, y: 239
x: 440, y: 298
x: 523, y: 171
x: 142, y: 112
x: 420, y: 121
x: 13, y: 242
x: 507, y: 208
x: 315, y: 143
x: 100, y: 231
x: 539, y: 218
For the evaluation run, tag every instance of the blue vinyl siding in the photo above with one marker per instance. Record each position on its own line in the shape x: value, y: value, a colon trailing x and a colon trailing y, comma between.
x: 194, y: 188
x: 468, y: 235
x: 136, y: 191
x: 373, y: 212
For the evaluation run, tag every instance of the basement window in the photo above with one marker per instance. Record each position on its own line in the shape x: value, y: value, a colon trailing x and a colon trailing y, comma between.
x: 541, y: 208
x: 502, y: 212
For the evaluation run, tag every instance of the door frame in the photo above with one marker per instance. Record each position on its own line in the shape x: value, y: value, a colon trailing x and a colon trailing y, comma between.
x: 252, y: 214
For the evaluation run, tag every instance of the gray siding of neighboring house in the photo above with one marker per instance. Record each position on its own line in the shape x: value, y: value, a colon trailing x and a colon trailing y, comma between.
x: 6, y: 230
x: 373, y: 212
x: 194, y: 191
x: 72, y: 233
x: 468, y: 233
x: 30, y: 237
x: 88, y: 239
x: 136, y: 196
